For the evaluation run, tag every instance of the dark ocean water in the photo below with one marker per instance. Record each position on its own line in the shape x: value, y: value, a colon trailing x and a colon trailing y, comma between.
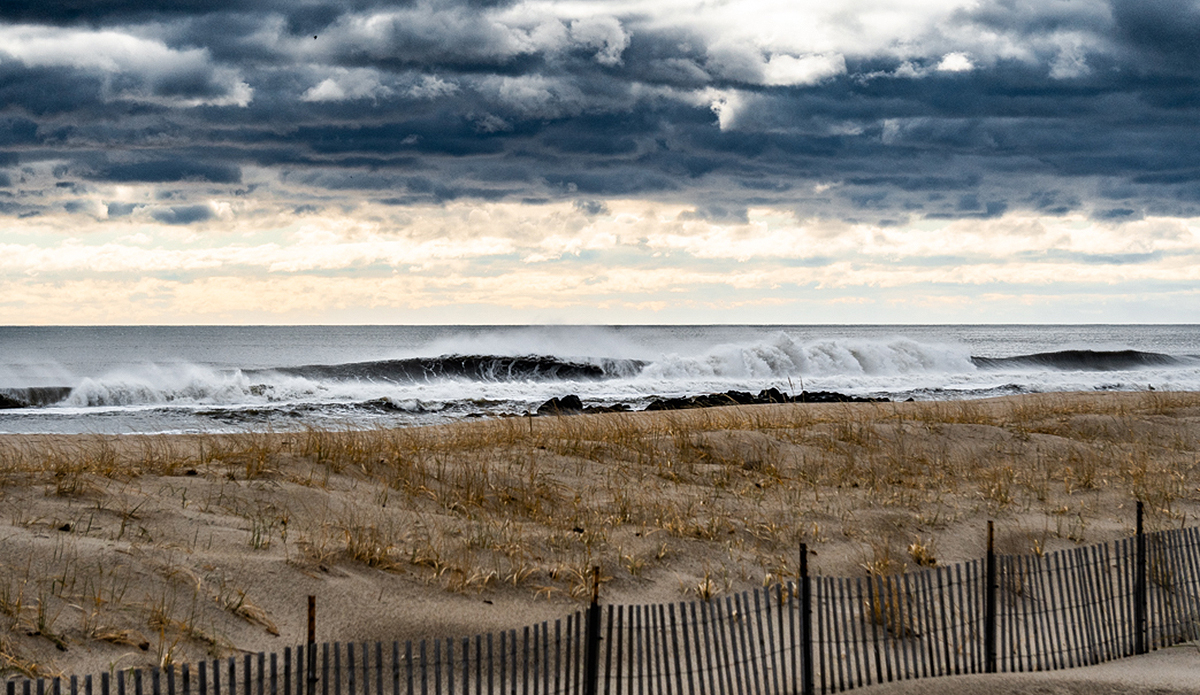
x: 223, y: 378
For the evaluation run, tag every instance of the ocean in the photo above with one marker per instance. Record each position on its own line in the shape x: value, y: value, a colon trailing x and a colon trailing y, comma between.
x: 170, y: 379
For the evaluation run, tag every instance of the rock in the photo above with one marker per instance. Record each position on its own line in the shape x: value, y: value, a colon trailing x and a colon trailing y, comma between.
x: 571, y: 404
x: 567, y: 405
x: 764, y: 397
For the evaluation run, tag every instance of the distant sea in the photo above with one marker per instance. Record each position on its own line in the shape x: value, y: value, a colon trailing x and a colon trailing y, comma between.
x: 161, y: 379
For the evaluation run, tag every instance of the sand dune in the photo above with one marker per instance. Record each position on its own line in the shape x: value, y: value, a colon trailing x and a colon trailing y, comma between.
x: 126, y: 551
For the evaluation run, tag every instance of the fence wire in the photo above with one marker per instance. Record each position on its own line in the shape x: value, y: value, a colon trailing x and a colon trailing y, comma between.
x: 1060, y: 610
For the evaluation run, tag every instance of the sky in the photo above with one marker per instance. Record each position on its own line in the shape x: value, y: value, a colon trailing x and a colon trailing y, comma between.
x: 599, y: 161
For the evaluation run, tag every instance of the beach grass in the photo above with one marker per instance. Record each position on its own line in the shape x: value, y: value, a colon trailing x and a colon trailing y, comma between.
x: 131, y: 550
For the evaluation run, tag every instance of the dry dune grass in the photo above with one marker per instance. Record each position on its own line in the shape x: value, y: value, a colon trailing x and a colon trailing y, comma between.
x: 122, y: 551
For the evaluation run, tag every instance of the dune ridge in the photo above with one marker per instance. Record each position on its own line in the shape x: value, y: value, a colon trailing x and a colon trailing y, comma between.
x: 127, y: 551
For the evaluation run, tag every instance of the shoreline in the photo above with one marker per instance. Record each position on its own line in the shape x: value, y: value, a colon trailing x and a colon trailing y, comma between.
x: 204, y: 544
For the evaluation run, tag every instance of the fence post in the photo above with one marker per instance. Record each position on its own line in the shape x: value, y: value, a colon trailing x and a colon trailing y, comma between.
x: 1139, y: 589
x: 591, y: 665
x: 311, y: 652
x: 806, y: 636
x: 989, y: 607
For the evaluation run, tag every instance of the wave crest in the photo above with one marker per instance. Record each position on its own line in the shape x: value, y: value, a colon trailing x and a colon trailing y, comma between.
x: 782, y: 356
x: 156, y: 385
x: 474, y: 367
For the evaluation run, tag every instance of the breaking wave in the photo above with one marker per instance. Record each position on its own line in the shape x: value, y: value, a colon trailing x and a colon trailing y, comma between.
x: 475, y: 367
x: 1086, y: 360
x: 782, y: 357
x: 482, y: 383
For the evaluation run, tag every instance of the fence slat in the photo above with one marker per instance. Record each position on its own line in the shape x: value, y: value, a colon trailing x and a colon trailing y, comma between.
x: 1096, y: 601
x: 1187, y: 548
x: 943, y: 575
x: 691, y: 670
x: 692, y: 648
x: 1155, y: 618
x: 728, y: 650
x: 855, y: 649
x: 716, y: 686
x: 1171, y: 593
x: 1055, y: 654
x: 763, y: 654
x: 906, y: 628
x: 1125, y: 558
x: 437, y: 667
x: 465, y: 645
x: 749, y: 648
x: 620, y: 632
x: 1065, y: 614
x: 1036, y: 615
x: 840, y: 636
x: 1163, y: 582
x: 928, y: 625
x: 1083, y: 575
x: 1028, y: 613
x: 974, y: 603
x: 674, y: 639
x: 1011, y: 644
x: 1105, y: 577
x: 1185, y: 609
x: 880, y: 618
x: 544, y: 658
x: 513, y: 640
x: 775, y: 647
x: 503, y: 662
x: 823, y: 638
x: 665, y: 661
x: 1072, y: 623
x: 568, y: 658
x: 745, y: 637
x: 525, y: 657
x: 1086, y: 627
x: 639, y: 670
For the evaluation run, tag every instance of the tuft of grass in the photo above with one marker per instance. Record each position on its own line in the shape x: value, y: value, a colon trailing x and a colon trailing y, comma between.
x: 922, y: 552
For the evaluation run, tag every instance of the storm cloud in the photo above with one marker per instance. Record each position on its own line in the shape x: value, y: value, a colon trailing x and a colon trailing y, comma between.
x: 536, y: 100
x: 191, y: 113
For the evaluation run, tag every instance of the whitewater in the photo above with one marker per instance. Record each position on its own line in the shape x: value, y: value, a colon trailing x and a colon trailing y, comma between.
x: 164, y: 379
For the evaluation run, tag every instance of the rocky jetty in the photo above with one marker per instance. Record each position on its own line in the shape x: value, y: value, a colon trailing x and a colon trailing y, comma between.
x: 572, y: 404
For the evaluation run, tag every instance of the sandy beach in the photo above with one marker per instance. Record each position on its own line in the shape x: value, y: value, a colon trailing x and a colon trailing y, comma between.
x: 126, y: 551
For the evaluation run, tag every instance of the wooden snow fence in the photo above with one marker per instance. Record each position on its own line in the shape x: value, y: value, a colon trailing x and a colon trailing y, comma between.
x: 1004, y: 613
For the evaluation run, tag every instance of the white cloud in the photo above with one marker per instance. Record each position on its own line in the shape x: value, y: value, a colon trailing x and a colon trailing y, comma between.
x: 955, y: 62
x: 159, y: 74
x: 807, y: 70
x: 431, y: 87
x: 604, y: 34
x: 537, y: 96
x: 1071, y: 62
x: 729, y: 105
x: 511, y: 257
x: 358, y: 83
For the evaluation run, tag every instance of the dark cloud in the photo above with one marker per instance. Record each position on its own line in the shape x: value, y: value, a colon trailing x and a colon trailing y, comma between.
x: 717, y: 213
x: 167, y: 171
x: 1117, y: 214
x: 182, y: 214
x: 1166, y: 33
x: 591, y: 207
x: 445, y: 101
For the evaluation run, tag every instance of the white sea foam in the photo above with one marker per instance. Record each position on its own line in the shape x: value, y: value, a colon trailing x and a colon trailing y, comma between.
x: 205, y: 389
x: 781, y: 357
